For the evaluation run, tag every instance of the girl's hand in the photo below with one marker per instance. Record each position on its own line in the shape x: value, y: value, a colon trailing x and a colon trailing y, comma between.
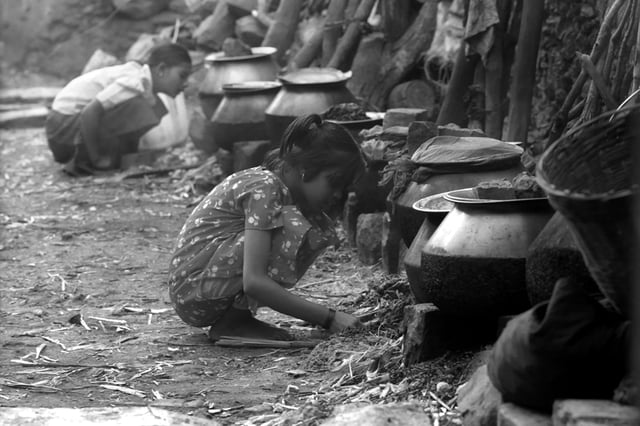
x: 343, y: 320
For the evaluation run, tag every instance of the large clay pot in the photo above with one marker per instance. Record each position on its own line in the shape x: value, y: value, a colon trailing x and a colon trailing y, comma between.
x: 409, y: 219
x: 259, y: 66
x: 554, y: 254
x: 240, y: 115
x: 305, y: 91
x: 434, y: 208
x: 474, y: 263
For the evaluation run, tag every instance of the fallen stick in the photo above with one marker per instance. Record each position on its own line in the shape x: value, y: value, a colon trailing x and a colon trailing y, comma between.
x: 265, y: 343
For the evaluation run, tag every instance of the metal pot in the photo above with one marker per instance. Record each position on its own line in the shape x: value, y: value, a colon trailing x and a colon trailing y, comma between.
x: 474, y: 263
x: 240, y: 115
x: 306, y: 91
x: 434, y: 208
x: 409, y: 219
x: 259, y: 66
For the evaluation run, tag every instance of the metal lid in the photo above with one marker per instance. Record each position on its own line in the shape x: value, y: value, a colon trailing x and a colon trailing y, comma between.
x: 315, y: 76
x: 256, y: 52
x: 436, y: 203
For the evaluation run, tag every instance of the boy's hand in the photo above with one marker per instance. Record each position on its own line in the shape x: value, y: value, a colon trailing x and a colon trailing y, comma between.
x: 343, y: 320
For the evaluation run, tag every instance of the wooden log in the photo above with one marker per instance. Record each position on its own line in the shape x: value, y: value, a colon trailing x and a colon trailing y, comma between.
x: 348, y: 44
x: 216, y: 28
x: 309, y: 51
x: 513, y: 415
x: 250, y: 31
x: 524, y: 71
x: 332, y: 30
x: 363, y: 81
x: 396, y: 17
x: 415, y: 94
x: 400, y: 57
x: 494, y: 82
x: 282, y: 31
x: 454, y: 108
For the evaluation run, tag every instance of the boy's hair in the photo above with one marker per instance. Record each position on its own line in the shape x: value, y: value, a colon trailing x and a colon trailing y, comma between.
x: 170, y: 54
x: 313, y: 145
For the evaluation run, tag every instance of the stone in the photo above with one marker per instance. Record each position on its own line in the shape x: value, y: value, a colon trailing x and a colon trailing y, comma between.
x: 593, y: 412
x: 405, y: 414
x: 404, y: 116
x: 247, y: 154
x: 420, y: 132
x: 513, y: 415
x: 452, y: 129
x: 478, y: 400
x: 424, y: 333
x: 369, y: 237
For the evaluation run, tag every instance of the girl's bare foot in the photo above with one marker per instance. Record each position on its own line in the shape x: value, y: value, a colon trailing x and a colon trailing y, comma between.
x: 240, y: 323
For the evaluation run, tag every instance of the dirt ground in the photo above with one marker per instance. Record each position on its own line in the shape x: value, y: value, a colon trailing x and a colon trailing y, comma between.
x: 86, y: 319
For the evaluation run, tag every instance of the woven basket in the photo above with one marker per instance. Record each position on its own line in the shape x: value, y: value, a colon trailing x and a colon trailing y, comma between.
x: 588, y: 176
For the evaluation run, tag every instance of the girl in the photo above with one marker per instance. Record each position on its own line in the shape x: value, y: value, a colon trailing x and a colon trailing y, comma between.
x: 256, y: 233
x: 100, y: 116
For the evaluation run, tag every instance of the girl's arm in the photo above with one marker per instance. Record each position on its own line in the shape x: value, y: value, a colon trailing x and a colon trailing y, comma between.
x: 258, y: 285
x: 89, y: 125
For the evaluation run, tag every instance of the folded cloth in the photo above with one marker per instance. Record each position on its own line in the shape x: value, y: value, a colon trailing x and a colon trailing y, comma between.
x: 568, y: 347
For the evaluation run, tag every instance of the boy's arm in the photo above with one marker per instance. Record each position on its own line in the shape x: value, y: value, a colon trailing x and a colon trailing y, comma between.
x: 258, y: 285
x: 89, y: 125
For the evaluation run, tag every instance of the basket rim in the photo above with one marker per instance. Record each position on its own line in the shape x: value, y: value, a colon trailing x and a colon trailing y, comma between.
x: 552, y: 190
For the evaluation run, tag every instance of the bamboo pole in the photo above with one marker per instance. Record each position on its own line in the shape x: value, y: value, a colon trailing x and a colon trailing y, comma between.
x: 559, y: 122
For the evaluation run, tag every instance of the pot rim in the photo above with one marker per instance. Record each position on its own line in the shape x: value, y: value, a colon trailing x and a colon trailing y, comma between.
x: 421, y: 204
x: 469, y: 196
x: 331, y: 76
x: 374, y: 117
x: 256, y: 52
x: 251, y: 86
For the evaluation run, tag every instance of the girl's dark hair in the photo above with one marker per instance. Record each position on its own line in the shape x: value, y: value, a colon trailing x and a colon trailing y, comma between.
x: 313, y: 145
x: 171, y: 54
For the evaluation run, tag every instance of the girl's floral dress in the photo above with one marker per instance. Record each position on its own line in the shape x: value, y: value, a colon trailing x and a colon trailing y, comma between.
x: 205, y: 275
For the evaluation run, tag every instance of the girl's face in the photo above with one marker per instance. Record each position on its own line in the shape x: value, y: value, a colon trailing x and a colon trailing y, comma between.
x: 324, y: 191
x: 171, y: 79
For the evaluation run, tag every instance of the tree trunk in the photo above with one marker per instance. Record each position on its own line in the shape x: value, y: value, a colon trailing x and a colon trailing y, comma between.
x: 348, y: 44
x: 334, y: 23
x: 400, y: 57
x: 282, y: 31
x: 524, y: 72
